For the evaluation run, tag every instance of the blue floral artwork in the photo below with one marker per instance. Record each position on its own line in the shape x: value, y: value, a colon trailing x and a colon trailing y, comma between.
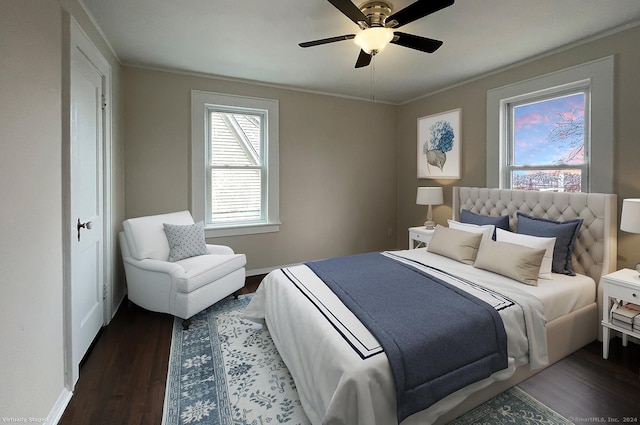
x: 440, y: 142
x: 438, y: 146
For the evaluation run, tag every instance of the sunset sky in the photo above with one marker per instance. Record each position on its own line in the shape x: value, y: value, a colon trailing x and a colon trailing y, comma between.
x: 533, y: 123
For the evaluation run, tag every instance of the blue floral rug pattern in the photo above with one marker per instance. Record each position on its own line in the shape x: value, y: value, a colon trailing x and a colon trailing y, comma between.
x: 514, y: 407
x: 226, y: 371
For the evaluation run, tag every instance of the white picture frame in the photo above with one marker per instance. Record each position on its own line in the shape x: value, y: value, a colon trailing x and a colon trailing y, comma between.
x: 440, y: 145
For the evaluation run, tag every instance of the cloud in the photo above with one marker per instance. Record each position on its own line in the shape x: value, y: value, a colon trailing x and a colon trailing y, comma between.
x: 528, y: 120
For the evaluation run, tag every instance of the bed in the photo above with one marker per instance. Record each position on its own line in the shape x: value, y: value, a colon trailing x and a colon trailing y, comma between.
x: 342, y: 374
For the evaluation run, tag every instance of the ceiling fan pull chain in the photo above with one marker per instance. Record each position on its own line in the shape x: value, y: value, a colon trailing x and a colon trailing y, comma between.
x: 373, y: 77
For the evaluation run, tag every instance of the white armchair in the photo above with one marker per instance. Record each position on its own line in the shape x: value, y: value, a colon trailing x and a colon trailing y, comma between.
x: 181, y: 288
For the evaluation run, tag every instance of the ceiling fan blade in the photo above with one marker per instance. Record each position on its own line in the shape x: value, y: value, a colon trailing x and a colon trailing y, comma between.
x: 364, y: 59
x: 417, y: 10
x: 327, y: 40
x: 416, y: 42
x: 350, y: 10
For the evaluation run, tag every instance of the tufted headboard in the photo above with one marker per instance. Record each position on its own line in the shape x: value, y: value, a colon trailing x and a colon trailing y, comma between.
x: 595, y: 249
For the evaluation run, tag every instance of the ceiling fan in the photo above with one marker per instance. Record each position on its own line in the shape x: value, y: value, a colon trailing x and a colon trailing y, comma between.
x: 377, y: 23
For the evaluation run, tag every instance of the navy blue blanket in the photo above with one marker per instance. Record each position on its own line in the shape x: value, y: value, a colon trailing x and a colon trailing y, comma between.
x: 437, y: 337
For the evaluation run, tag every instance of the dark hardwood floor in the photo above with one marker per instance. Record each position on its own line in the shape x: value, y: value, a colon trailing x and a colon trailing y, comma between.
x: 586, y: 388
x: 123, y: 377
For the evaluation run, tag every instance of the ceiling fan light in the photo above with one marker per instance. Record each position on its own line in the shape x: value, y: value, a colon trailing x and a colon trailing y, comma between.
x: 374, y: 39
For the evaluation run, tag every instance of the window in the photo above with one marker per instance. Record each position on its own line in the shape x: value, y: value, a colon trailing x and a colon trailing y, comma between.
x: 234, y: 164
x: 553, y: 132
x: 548, y: 143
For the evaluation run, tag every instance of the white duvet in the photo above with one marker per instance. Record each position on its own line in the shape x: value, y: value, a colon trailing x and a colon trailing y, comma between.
x: 335, y: 383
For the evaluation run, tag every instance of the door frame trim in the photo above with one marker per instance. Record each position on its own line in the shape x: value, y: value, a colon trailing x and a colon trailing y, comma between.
x: 76, y: 38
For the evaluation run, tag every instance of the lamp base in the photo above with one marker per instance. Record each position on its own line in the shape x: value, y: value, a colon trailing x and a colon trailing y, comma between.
x: 429, y: 224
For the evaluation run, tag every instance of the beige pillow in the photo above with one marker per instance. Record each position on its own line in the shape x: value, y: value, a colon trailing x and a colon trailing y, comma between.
x: 456, y: 244
x: 518, y: 262
x: 532, y: 242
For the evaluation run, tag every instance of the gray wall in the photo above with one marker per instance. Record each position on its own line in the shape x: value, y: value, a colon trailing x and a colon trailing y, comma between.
x: 337, y: 167
x: 471, y: 97
x: 31, y: 259
x: 321, y: 143
x: 31, y: 213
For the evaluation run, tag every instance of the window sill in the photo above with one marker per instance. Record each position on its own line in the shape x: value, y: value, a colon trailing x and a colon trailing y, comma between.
x: 252, y: 229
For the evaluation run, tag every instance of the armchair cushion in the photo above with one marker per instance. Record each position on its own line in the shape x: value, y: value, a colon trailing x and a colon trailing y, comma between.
x: 205, y: 269
x: 146, y: 237
x: 185, y: 241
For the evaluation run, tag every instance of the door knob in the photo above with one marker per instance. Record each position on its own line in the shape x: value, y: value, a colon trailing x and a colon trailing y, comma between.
x: 88, y: 225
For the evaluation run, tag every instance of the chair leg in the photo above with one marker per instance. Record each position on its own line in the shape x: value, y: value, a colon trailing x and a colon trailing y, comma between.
x: 185, y: 324
x: 237, y: 294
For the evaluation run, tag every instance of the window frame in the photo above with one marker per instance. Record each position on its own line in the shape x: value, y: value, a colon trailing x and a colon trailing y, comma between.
x: 599, y: 76
x: 202, y: 104
x: 578, y: 87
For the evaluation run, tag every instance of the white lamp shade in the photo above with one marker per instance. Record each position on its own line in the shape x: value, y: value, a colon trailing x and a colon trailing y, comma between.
x: 375, y: 38
x: 630, y: 220
x: 429, y: 196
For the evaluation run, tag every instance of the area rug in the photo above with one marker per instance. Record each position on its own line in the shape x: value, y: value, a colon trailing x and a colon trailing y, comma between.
x: 226, y: 370
x: 513, y: 406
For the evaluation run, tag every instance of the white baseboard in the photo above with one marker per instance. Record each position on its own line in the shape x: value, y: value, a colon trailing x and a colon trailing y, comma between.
x: 59, y: 407
x: 256, y: 272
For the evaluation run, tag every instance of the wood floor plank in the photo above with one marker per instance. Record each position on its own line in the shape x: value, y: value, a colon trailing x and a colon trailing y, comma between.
x: 585, y: 387
x: 123, y: 378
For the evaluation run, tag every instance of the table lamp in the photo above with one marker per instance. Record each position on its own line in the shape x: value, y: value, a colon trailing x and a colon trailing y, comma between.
x: 429, y: 196
x: 630, y: 219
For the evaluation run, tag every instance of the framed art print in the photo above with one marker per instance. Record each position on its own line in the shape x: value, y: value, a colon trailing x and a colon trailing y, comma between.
x: 439, y: 146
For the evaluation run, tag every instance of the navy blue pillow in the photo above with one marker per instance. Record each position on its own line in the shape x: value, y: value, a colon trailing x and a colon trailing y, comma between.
x: 565, y: 233
x: 501, y: 222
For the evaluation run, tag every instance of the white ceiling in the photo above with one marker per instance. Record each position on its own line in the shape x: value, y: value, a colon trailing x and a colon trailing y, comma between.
x: 258, y: 40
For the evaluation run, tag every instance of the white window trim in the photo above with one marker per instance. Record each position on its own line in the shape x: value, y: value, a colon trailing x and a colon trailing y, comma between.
x: 599, y: 75
x: 199, y: 102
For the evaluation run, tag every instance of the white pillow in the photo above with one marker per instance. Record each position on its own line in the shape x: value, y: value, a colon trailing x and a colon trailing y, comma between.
x: 532, y: 242
x: 485, y: 229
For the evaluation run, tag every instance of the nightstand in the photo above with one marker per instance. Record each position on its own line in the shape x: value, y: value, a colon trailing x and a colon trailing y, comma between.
x: 623, y: 285
x: 419, y: 236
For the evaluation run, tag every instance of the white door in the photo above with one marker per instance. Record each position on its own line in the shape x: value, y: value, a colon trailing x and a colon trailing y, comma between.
x: 87, y: 207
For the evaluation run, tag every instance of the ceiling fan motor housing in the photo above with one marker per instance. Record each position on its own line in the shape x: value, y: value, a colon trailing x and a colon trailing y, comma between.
x: 377, y: 12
